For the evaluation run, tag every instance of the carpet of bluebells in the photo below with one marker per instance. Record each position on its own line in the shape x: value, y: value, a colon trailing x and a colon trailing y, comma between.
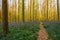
x: 53, y: 28
x: 30, y: 29
x: 19, y: 32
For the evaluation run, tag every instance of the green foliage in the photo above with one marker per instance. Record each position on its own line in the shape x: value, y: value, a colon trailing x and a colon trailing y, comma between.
x: 53, y: 30
x: 26, y: 32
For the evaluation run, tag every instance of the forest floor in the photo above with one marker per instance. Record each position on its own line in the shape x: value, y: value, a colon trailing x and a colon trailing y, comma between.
x: 43, y: 34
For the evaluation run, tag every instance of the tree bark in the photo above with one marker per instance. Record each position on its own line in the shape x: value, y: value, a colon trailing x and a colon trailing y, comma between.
x: 58, y: 8
x: 30, y: 10
x: 33, y: 10
x: 5, y: 16
x: 23, y: 21
x: 47, y: 9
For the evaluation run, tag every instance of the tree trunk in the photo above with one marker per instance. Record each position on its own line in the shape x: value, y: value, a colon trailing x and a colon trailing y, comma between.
x: 5, y: 16
x: 47, y: 10
x: 23, y: 21
x: 33, y: 10
x: 58, y: 8
x: 30, y: 10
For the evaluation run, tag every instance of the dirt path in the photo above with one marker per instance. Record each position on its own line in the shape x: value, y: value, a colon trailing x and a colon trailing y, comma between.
x: 42, y: 34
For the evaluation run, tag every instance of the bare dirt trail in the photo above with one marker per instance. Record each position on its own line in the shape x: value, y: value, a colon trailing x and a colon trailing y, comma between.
x: 42, y: 34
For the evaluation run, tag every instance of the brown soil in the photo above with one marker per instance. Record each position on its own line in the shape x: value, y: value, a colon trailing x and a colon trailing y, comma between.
x: 42, y: 34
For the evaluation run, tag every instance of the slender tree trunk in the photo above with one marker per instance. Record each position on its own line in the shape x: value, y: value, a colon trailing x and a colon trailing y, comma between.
x: 33, y: 10
x: 30, y: 10
x: 19, y: 10
x: 14, y: 7
x: 58, y: 8
x: 23, y: 21
x: 47, y: 9
x: 5, y: 16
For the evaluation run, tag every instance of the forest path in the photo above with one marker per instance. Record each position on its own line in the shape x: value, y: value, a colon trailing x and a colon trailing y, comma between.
x: 43, y: 34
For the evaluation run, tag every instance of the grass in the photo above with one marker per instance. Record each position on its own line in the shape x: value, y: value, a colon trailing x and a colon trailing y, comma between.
x: 26, y: 32
x: 53, y: 30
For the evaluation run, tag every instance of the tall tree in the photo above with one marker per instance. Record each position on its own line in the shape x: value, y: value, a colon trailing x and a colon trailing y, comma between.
x: 33, y: 10
x: 47, y: 10
x: 23, y: 12
x: 0, y: 16
x: 58, y: 8
x: 18, y: 8
x: 30, y: 9
x: 5, y: 16
x: 14, y: 9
